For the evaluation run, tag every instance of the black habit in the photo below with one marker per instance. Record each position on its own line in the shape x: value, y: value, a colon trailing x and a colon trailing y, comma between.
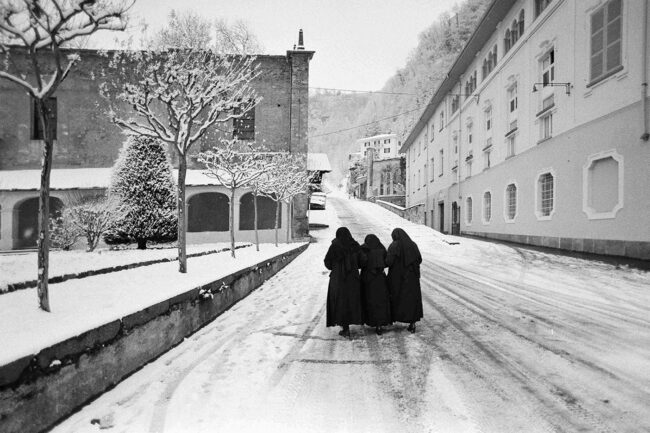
x: 374, y: 286
x: 344, y: 290
x: 403, y: 260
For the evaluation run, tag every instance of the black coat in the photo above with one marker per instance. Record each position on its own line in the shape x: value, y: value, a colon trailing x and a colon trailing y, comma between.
x: 403, y: 260
x: 344, y: 290
x: 374, y: 287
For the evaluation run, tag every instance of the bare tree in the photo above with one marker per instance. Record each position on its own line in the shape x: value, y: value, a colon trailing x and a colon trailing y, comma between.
x: 235, y: 164
x: 178, y: 96
x: 282, y: 182
x: 37, y: 30
x: 235, y: 38
x: 184, y: 29
x: 93, y: 217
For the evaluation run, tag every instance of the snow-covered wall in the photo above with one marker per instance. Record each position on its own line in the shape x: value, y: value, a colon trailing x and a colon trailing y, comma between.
x: 37, y: 391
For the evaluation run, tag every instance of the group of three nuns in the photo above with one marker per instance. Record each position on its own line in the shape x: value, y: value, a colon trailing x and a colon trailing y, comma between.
x: 372, y: 297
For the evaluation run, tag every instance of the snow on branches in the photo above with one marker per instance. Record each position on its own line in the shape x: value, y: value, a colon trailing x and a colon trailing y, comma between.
x: 285, y: 178
x: 35, y: 32
x: 52, y: 24
x: 235, y: 164
x: 177, y: 96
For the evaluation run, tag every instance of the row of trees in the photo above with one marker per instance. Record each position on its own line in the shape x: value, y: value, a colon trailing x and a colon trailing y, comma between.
x: 175, y: 96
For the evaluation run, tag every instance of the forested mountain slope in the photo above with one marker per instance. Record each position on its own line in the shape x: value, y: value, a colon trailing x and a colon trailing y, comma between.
x: 414, y: 84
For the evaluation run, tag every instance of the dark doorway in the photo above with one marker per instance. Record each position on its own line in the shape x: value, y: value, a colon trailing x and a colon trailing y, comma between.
x: 26, y: 214
x: 455, y: 219
x: 208, y: 212
x: 441, y: 212
x: 265, y: 213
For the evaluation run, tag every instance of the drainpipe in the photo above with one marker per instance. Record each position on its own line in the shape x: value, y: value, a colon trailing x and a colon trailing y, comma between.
x: 460, y: 147
x: 644, y: 74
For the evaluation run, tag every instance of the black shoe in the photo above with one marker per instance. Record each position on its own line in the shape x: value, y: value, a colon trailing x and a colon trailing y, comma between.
x: 378, y: 330
x: 411, y: 328
x: 345, y: 332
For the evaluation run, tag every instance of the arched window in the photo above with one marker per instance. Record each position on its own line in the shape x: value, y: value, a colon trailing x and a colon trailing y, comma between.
x: 265, y: 213
x: 487, y: 206
x: 511, y: 202
x: 26, y: 215
x: 514, y: 33
x: 208, y: 212
x: 521, y: 23
x: 506, y: 41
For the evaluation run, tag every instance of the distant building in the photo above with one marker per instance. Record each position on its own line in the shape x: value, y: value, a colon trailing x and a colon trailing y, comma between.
x: 384, y: 145
x: 539, y: 133
x: 87, y: 144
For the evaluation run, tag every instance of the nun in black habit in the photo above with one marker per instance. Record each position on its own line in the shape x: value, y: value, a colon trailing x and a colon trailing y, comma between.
x: 403, y: 260
x: 344, y: 291
x: 374, y: 287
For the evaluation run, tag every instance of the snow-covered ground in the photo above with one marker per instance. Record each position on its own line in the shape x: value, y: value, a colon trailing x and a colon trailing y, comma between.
x: 82, y: 304
x: 513, y: 340
x: 18, y: 267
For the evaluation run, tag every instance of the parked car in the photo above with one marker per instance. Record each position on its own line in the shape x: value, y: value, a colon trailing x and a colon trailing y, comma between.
x: 317, y: 200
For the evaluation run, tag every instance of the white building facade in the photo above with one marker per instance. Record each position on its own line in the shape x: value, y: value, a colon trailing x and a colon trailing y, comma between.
x: 385, y: 146
x: 539, y: 134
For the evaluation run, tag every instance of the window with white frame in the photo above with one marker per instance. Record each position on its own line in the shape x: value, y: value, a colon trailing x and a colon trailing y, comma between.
x: 548, y: 67
x: 433, y: 169
x: 606, y: 25
x: 441, y: 160
x: 511, y: 202
x: 468, y: 212
x: 546, y: 187
x: 419, y: 179
x: 468, y: 168
x: 432, y: 131
x: 386, y: 149
x: 487, y: 206
x: 512, y: 98
x: 486, y: 159
x: 469, y: 135
x: 546, y: 126
x: 442, y: 120
x: 488, y: 119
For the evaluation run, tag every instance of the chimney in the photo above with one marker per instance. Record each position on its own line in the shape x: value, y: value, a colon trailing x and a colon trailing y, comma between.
x: 301, y: 44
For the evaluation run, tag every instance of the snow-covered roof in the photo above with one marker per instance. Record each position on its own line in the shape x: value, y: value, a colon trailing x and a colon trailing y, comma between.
x: 318, y: 162
x: 79, y: 178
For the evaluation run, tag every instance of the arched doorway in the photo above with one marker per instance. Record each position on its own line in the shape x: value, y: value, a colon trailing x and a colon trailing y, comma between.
x: 26, y: 218
x: 455, y: 219
x: 265, y: 213
x: 208, y: 212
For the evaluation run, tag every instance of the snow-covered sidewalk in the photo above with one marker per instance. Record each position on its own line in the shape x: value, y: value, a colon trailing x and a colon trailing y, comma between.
x: 82, y: 304
x: 18, y: 268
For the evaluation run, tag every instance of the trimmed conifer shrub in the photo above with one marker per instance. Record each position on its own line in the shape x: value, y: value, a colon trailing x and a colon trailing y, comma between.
x: 142, y: 183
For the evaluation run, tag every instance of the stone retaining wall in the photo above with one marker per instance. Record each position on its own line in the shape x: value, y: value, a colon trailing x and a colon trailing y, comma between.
x: 38, y: 391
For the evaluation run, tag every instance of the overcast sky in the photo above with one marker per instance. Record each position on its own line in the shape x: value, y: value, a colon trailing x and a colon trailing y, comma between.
x: 359, y: 44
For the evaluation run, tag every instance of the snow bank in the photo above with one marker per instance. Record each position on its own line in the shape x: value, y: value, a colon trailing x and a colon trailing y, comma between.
x: 21, y: 267
x: 83, y: 304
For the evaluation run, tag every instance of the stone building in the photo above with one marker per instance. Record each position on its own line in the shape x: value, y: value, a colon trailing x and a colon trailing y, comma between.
x: 539, y: 133
x: 87, y: 145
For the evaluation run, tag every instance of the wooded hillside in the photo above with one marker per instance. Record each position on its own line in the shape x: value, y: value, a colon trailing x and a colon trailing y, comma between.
x: 416, y: 82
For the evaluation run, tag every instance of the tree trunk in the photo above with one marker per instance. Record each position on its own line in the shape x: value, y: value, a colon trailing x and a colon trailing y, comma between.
x: 257, y: 238
x: 142, y: 244
x: 289, y: 208
x: 232, y: 222
x: 43, y: 243
x: 182, y: 252
x: 277, y: 220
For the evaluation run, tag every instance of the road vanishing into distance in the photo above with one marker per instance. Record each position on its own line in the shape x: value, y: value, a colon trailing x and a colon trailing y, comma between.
x: 512, y: 340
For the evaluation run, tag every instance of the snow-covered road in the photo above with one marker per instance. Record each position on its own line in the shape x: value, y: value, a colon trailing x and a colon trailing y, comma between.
x: 513, y: 340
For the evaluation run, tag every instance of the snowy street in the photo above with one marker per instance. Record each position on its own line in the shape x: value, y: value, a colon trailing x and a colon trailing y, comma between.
x: 512, y: 340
